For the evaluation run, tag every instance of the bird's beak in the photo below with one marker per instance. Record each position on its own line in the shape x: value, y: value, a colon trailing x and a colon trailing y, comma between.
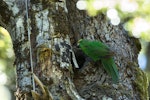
x: 78, y: 42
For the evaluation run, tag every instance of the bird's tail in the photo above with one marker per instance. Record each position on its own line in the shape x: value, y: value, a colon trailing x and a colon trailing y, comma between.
x: 111, y: 68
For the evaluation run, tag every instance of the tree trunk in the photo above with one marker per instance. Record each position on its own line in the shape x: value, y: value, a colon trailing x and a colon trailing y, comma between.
x: 148, y: 57
x: 45, y: 35
x: 147, y: 69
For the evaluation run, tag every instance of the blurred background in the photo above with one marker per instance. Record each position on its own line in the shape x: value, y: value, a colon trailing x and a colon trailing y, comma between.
x: 7, y: 69
x: 134, y: 15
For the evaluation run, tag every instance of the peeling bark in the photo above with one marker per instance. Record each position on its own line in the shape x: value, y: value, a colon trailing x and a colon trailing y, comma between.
x: 54, y: 28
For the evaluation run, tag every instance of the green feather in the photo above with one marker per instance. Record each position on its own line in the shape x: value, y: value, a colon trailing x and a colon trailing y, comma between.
x: 99, y: 51
x: 111, y: 68
x: 94, y: 49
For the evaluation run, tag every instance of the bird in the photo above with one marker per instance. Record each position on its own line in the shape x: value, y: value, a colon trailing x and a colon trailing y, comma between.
x: 99, y: 51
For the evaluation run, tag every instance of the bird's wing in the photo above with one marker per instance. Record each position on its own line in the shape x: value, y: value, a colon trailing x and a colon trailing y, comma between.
x: 111, y: 68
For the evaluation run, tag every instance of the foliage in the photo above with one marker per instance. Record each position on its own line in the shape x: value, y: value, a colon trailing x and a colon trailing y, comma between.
x: 7, y: 71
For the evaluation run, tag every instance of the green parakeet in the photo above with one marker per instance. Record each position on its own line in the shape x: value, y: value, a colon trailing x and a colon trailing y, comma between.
x: 99, y: 51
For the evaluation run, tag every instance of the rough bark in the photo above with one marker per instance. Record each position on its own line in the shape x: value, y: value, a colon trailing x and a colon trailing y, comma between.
x: 54, y: 29
x: 148, y: 64
x: 148, y: 58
